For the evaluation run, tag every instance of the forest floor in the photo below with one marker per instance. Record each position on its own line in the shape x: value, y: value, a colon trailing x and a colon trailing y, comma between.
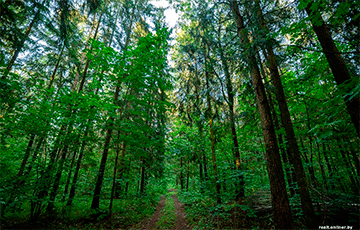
x: 181, y: 222
x: 151, y: 222
x: 168, y: 214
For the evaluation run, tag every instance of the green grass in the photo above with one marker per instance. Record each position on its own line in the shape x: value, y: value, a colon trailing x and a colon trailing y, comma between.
x: 168, y: 214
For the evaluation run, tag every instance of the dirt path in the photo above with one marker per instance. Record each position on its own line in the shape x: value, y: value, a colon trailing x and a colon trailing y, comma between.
x: 151, y: 223
x: 181, y: 221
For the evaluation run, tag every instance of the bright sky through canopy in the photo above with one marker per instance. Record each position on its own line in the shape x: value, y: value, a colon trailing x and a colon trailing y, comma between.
x: 170, y: 14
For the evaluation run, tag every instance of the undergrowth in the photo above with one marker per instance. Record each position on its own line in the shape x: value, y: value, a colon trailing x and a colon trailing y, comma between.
x: 126, y: 212
x: 255, y: 212
x: 204, y: 213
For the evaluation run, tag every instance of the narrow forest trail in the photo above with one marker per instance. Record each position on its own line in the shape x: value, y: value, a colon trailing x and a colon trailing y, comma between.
x: 151, y: 222
x: 181, y: 222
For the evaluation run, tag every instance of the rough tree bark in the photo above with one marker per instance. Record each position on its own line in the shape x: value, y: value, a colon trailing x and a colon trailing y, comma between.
x: 279, y: 198
x: 212, y: 138
x: 336, y: 62
x: 282, y: 148
x: 306, y: 203
x: 96, y: 197
x: 240, y: 187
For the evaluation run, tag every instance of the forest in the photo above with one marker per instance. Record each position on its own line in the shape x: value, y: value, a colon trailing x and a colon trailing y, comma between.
x: 244, y: 115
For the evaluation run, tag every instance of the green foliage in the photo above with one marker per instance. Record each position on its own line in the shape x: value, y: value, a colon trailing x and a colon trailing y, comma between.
x: 203, y: 213
x: 159, y: 117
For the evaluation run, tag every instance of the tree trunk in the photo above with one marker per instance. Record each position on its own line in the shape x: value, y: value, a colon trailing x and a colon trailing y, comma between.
x: 181, y: 174
x: 32, y: 138
x: 349, y: 171
x: 310, y: 162
x: 240, y: 188
x: 88, y: 61
x: 96, y: 197
x: 322, y: 167
x: 205, y: 166
x: 306, y: 203
x: 21, y: 43
x: 70, y: 173
x: 127, y: 182
x: 282, y: 148
x: 53, y: 193
x: 334, y: 173
x: 77, y: 169
x: 37, y: 148
x: 352, y: 152
x: 212, y: 138
x: 328, y: 164
x: 44, y: 182
x: 121, y: 170
x: 280, y: 202
x: 20, y: 180
x: 200, y: 171
x: 26, y: 156
x: 203, y: 155
x: 76, y: 80
x: 187, y: 176
x: 336, y: 62
x: 142, y: 181
x: 56, y: 67
x: 114, y: 175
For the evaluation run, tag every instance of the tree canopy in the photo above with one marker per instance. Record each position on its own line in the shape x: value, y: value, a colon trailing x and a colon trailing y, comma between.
x: 249, y: 108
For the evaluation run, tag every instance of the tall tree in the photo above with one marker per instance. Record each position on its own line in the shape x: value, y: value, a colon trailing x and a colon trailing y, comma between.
x: 337, y: 64
x: 306, y: 202
x: 23, y: 38
x: 279, y: 198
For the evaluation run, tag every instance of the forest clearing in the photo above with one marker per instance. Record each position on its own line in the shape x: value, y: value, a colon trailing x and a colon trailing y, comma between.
x: 241, y: 115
